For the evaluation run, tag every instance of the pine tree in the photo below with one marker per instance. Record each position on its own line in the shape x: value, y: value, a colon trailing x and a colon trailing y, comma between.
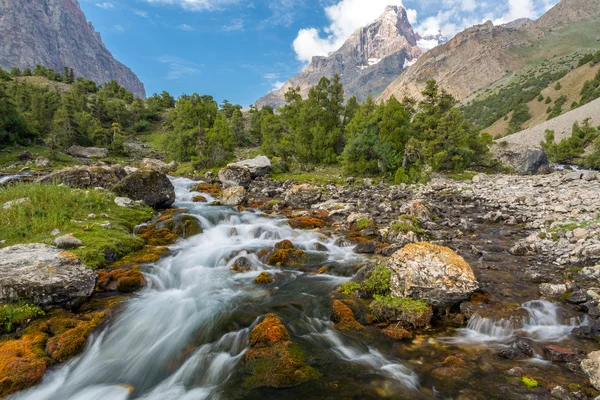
x: 220, y: 142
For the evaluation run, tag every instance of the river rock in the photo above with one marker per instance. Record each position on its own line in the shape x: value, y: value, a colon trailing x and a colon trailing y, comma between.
x: 234, y: 196
x: 303, y: 196
x: 151, y: 187
x: 86, y: 177
x: 433, y: 273
x: 553, y: 290
x: 589, y: 331
x: 67, y: 242
x: 44, y: 275
x: 42, y: 162
x: 258, y: 166
x: 524, y: 160
x: 591, y: 366
x: 87, y: 152
x: 234, y: 175
x: 563, y: 354
x: 158, y: 165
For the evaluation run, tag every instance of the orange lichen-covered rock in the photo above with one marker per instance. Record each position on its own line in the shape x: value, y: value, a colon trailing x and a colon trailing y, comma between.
x: 284, y: 254
x: 71, y: 341
x: 199, y: 199
x: 212, y: 190
x: 158, y: 237
x: 273, y: 360
x: 343, y: 317
x: 264, y: 278
x: 122, y: 280
x: 22, y: 362
x: 397, y: 333
x: 270, y: 330
x: 433, y: 273
x: 306, y: 223
x: 284, y: 245
x: 148, y: 254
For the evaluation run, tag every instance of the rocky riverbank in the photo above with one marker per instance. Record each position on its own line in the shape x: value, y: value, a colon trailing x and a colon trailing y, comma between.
x: 489, y: 252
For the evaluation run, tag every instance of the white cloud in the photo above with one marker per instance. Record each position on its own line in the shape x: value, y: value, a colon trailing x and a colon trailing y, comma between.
x: 519, y: 9
x: 345, y: 17
x: 105, y: 5
x: 178, y: 67
x: 196, y: 5
x: 283, y: 12
x: 185, y: 27
x: 236, y: 24
x: 118, y: 29
x: 140, y: 13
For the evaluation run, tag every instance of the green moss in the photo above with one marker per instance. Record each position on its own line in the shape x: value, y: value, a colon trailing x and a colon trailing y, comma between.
x: 565, y: 296
x: 529, y: 382
x: 50, y: 207
x: 14, y: 315
x: 378, y: 281
x: 542, y: 235
x: 405, y: 303
x: 349, y: 288
x: 406, y: 224
x: 574, y: 387
x: 364, y: 223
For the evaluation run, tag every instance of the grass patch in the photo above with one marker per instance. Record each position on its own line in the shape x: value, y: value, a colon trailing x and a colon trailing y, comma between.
x: 14, y: 315
x: 10, y: 155
x: 378, y: 281
x: 321, y: 175
x: 463, y: 176
x: 405, y: 303
x: 349, y: 288
x: 406, y: 224
x: 364, y: 223
x: 49, y: 207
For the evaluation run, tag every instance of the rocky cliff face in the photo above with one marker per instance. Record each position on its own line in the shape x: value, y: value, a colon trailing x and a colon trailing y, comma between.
x: 55, y: 33
x: 367, y: 62
x: 480, y: 56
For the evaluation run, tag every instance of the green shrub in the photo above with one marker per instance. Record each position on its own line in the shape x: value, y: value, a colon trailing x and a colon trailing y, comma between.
x: 14, y: 315
x: 349, y: 288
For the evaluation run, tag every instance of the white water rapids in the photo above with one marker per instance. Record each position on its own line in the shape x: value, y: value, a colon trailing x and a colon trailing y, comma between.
x: 147, y: 352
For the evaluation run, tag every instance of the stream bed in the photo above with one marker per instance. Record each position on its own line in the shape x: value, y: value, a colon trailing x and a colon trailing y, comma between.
x: 185, y: 335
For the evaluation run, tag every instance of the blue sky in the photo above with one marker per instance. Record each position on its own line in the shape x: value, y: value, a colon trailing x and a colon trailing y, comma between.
x: 240, y: 50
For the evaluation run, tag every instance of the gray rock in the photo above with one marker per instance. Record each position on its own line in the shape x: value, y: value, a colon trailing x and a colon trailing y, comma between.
x: 87, y: 152
x: 303, y: 196
x: 42, y: 162
x: 234, y: 175
x: 124, y: 202
x: 67, y: 242
x: 10, y: 204
x: 258, y: 166
x: 158, y: 165
x: 234, y: 196
x: 44, y: 275
x: 525, y: 161
x: 553, y: 290
x: 151, y: 187
x: 433, y: 273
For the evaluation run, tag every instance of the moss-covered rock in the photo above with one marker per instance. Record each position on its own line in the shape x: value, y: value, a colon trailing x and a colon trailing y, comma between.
x: 121, y: 280
x: 407, y: 312
x: 212, y: 190
x: 343, y: 317
x: 285, y: 254
x: 264, y: 278
x: 306, y: 223
x: 273, y: 360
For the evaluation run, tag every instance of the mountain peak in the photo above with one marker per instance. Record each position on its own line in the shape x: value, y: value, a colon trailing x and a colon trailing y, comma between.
x: 367, y: 62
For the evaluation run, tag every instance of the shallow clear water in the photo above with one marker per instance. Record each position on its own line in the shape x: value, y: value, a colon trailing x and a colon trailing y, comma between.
x: 184, y: 336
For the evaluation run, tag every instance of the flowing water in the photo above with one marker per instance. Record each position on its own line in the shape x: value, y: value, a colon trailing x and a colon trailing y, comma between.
x: 184, y: 336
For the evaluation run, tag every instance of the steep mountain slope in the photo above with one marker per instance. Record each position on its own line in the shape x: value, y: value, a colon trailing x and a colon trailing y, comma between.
x: 367, y: 62
x: 55, y: 34
x: 484, y: 54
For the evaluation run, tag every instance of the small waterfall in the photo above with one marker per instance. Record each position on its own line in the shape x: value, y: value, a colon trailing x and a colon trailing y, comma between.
x: 544, y: 324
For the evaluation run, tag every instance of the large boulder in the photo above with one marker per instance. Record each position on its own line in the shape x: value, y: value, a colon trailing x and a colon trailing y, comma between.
x: 86, y: 177
x: 591, y: 366
x: 258, y: 166
x: 234, y: 175
x: 44, y: 275
x: 303, y: 196
x: 524, y: 160
x: 234, y: 196
x: 158, y: 165
x: 436, y: 274
x: 87, y: 152
x: 151, y: 187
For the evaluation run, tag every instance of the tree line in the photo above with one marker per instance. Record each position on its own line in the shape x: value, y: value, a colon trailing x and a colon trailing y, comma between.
x: 404, y: 141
